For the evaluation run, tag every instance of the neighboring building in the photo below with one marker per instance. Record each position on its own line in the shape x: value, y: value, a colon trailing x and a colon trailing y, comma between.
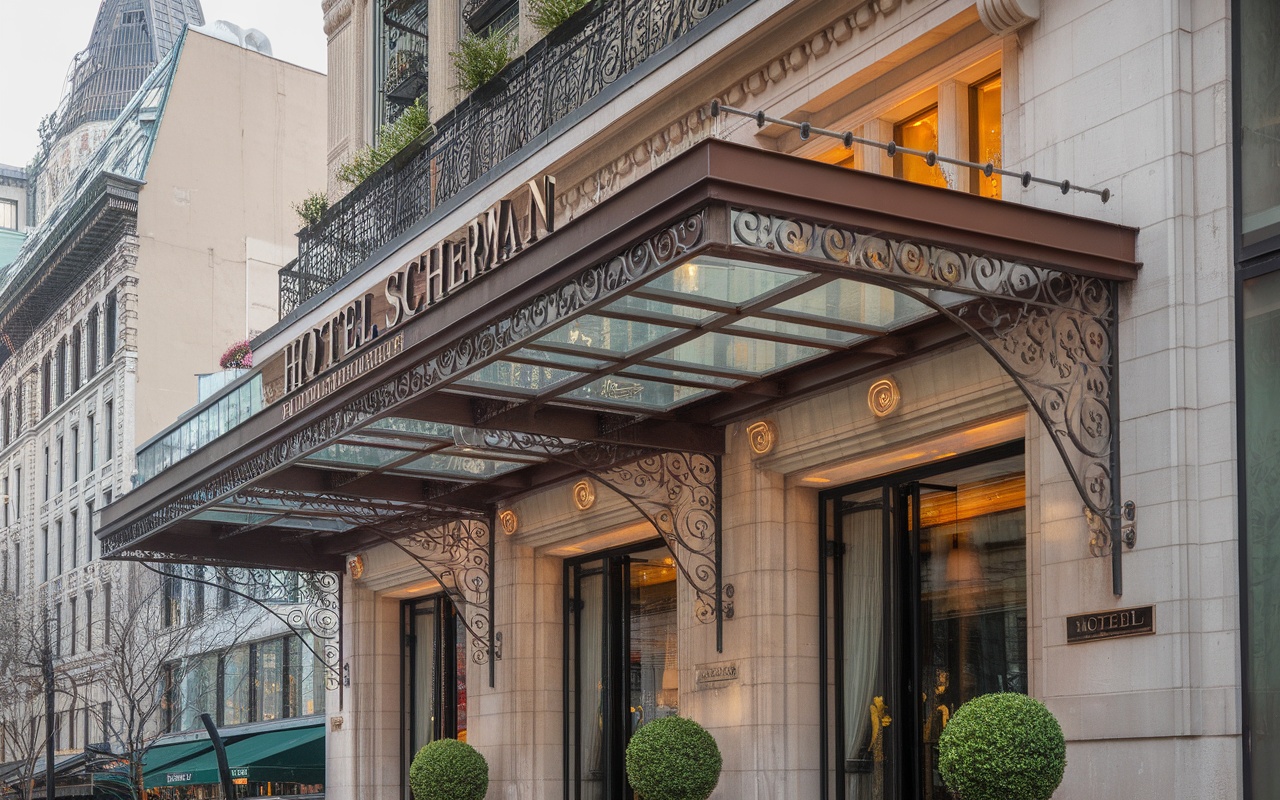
x: 804, y: 438
x: 13, y: 200
x: 158, y: 248
x: 129, y: 38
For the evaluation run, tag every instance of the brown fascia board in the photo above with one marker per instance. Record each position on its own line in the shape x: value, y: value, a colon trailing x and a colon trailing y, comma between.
x: 796, y: 187
x: 713, y: 172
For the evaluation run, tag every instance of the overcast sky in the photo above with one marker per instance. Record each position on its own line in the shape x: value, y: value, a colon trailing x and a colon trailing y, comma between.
x: 39, y: 39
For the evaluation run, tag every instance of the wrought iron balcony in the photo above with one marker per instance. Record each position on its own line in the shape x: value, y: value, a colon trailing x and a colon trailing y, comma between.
x: 558, y: 75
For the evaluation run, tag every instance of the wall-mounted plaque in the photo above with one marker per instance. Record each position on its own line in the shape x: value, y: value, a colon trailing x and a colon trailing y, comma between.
x: 713, y: 676
x: 1111, y: 624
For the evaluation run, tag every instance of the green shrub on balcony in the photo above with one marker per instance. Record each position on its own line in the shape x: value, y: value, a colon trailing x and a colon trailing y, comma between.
x: 1002, y: 746
x: 479, y: 58
x: 312, y: 208
x: 547, y: 15
x: 448, y: 769
x: 392, y: 138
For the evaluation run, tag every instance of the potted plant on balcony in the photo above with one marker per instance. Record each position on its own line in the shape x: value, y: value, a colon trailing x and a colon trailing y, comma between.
x: 547, y: 15
x: 235, y: 361
x: 479, y: 59
x: 311, y: 208
x: 673, y: 758
x: 412, y: 127
x: 448, y: 769
x: 1002, y: 746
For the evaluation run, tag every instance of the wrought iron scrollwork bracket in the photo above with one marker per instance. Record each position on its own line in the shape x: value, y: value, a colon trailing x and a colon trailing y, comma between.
x: 1054, y: 332
x: 677, y: 492
x: 458, y: 554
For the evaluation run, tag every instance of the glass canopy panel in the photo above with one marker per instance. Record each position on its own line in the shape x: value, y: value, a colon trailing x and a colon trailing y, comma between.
x: 558, y: 359
x: 605, y: 334
x: 860, y: 305
x: 668, y: 374
x: 310, y: 523
x: 741, y: 354
x: 417, y: 427
x: 725, y: 279
x: 466, y: 466
x: 660, y: 310
x: 523, y: 378
x: 233, y: 517
x: 356, y: 455
x: 814, y: 333
x: 618, y: 390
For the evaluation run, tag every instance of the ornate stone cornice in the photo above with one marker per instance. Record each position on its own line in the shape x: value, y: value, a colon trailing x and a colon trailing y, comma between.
x: 1006, y: 16
x: 336, y: 14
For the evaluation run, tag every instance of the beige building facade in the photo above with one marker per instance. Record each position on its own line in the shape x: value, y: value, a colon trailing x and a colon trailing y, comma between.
x: 757, y: 419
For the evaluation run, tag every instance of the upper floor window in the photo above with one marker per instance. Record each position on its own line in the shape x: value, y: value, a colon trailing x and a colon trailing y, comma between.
x: 960, y: 117
x: 46, y: 384
x: 109, y: 325
x: 1259, y: 104
x: 9, y: 214
x: 75, y: 358
x: 95, y: 317
x: 60, y: 370
x: 400, y: 58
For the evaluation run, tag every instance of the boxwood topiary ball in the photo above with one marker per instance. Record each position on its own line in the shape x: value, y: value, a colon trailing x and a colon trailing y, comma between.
x: 448, y: 769
x: 673, y: 758
x: 1002, y: 746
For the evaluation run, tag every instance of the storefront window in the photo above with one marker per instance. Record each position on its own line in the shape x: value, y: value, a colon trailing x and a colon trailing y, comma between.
x: 236, y: 686
x: 926, y: 576
x: 624, y: 662
x: 1260, y: 120
x: 1260, y: 446
x: 269, y: 680
x: 435, y: 673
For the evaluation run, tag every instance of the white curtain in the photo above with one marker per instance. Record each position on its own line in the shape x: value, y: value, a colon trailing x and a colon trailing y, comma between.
x: 863, y: 620
x: 590, y: 689
x: 424, y: 678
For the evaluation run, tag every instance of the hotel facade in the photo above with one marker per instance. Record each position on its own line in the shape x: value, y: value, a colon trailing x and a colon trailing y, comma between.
x: 801, y: 368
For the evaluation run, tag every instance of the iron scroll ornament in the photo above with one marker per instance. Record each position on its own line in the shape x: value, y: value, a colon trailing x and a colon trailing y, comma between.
x: 1054, y: 332
x: 677, y: 492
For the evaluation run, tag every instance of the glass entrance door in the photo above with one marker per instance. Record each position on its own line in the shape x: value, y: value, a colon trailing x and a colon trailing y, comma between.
x: 924, y: 597
x: 623, y: 665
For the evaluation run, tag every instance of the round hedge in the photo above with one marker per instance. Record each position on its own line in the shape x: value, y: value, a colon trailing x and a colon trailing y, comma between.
x: 448, y: 769
x: 1002, y: 746
x: 673, y: 758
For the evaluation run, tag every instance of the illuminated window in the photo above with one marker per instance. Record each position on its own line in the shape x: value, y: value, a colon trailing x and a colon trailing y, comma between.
x: 985, y: 134
x: 919, y: 133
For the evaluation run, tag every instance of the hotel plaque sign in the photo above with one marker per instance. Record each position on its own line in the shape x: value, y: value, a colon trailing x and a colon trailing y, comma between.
x: 713, y: 676
x: 1111, y: 624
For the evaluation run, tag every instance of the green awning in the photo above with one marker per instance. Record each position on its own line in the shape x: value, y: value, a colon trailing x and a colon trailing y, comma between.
x: 294, y: 755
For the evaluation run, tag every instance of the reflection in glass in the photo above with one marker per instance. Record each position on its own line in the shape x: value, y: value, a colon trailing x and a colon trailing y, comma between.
x: 724, y: 279
x: 1260, y: 449
x: 236, y: 686
x: 1259, y: 77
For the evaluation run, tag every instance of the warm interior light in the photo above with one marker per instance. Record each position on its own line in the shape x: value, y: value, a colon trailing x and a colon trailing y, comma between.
x: 986, y: 434
x: 597, y: 541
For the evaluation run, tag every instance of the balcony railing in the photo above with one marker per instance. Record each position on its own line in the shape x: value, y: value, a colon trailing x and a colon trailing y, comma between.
x: 558, y: 75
